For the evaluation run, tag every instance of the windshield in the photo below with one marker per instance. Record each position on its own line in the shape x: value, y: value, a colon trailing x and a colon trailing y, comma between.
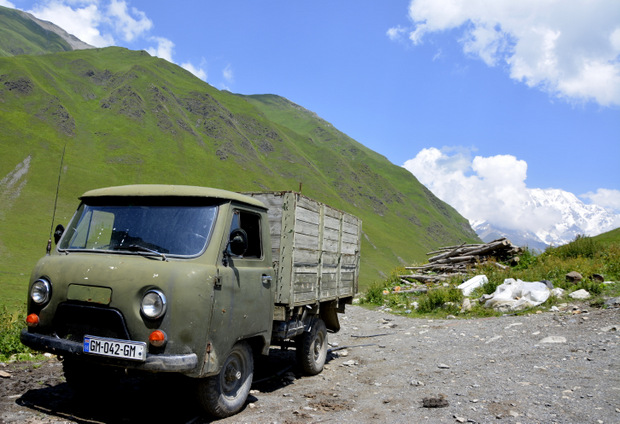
x: 169, y: 230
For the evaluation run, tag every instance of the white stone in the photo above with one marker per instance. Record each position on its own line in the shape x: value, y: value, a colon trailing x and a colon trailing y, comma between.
x: 579, y: 294
x: 554, y: 339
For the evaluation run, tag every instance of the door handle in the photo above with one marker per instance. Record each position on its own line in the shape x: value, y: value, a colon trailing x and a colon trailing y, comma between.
x: 266, y: 279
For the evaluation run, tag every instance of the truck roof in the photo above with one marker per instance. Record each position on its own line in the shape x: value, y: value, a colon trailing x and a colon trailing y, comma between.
x: 164, y: 190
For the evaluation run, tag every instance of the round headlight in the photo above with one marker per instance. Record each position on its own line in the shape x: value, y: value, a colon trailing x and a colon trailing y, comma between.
x: 153, y: 304
x: 41, y: 291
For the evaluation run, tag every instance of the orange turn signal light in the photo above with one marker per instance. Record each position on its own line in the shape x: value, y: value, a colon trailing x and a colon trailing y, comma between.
x: 32, y: 320
x: 157, y: 338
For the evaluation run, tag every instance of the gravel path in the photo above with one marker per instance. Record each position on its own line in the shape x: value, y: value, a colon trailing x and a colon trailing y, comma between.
x: 552, y: 367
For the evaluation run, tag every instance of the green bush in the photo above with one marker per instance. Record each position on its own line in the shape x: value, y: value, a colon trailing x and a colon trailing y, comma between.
x: 439, y: 298
x: 373, y: 294
x: 10, y: 328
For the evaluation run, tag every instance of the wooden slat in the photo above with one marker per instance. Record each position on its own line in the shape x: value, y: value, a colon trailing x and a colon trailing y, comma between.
x: 315, y: 249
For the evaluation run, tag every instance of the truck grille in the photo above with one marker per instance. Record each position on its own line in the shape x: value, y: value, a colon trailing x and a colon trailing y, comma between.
x: 74, y: 321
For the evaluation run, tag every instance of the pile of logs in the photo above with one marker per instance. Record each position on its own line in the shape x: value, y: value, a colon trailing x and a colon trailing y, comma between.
x: 451, y: 260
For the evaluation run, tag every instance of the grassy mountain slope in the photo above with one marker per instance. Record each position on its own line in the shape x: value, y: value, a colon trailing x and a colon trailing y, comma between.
x: 612, y: 236
x: 19, y: 34
x: 124, y: 117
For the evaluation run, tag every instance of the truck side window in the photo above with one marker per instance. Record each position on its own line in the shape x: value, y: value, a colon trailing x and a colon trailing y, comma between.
x: 250, y: 223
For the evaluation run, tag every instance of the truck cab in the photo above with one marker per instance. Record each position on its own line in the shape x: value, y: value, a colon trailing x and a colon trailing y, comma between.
x: 155, y: 278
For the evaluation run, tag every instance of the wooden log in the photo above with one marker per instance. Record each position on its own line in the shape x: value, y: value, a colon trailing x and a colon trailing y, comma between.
x: 417, y: 290
x: 456, y: 259
x: 428, y: 278
x: 445, y: 249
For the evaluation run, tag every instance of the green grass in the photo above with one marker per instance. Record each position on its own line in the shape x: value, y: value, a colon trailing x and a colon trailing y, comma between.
x: 11, y: 324
x: 588, y: 256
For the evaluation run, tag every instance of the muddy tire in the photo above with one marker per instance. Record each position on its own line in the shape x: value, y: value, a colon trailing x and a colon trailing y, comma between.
x: 312, y: 348
x: 224, y: 394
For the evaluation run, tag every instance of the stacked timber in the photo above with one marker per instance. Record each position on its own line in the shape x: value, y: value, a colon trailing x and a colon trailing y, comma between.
x: 451, y: 260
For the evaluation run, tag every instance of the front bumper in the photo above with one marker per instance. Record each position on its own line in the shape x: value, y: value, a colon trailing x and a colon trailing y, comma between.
x: 154, y: 362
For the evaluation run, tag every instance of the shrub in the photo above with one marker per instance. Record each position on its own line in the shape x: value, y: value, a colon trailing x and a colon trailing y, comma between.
x: 438, y: 298
x: 374, y: 294
x: 10, y: 328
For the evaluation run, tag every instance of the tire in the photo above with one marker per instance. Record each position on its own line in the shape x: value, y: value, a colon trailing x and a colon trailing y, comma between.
x: 312, y: 348
x: 224, y: 394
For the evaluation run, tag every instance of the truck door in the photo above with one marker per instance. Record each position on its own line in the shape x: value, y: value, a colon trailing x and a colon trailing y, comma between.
x: 243, y: 296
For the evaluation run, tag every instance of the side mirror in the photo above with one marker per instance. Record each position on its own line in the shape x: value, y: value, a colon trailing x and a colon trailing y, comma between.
x: 238, y: 242
x: 58, y: 232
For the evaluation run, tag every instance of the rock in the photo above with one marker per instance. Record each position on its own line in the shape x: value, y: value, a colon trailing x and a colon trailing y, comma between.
x: 579, y: 294
x: 554, y: 339
x: 558, y: 292
x: 615, y: 301
x: 598, y: 278
x: 574, y: 277
x: 548, y: 284
x: 5, y: 374
x: 492, y: 339
x: 466, y: 306
x: 435, y: 402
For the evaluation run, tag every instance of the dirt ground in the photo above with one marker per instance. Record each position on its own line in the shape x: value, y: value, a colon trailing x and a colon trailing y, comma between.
x: 551, y: 367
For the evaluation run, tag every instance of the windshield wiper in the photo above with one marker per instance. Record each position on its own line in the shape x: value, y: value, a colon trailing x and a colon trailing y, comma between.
x: 138, y: 248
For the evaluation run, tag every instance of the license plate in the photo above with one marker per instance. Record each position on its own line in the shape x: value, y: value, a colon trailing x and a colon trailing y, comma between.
x: 115, y: 348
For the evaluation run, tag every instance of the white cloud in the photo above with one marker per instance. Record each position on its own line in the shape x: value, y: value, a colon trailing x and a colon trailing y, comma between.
x: 7, y: 3
x: 95, y: 22
x: 126, y: 24
x: 396, y: 33
x: 489, y: 189
x: 196, y: 70
x: 571, y: 50
x: 604, y: 197
x: 82, y: 21
x: 228, y: 75
x: 163, y: 50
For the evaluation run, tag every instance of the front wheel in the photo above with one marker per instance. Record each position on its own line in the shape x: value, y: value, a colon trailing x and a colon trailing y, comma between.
x: 224, y: 394
x: 312, y: 348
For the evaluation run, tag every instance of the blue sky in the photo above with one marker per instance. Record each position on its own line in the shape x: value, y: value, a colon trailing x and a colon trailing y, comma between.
x: 527, y: 88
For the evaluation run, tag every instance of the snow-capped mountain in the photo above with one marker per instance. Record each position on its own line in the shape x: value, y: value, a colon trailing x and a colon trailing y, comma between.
x: 568, y: 217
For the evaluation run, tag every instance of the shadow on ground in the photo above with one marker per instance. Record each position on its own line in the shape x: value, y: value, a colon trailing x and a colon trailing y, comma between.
x: 153, y: 398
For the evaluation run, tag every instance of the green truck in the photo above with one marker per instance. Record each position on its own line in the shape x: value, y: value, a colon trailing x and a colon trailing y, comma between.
x: 192, y: 280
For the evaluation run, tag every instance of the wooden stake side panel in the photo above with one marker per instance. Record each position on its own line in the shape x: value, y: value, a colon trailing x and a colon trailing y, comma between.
x: 315, y: 247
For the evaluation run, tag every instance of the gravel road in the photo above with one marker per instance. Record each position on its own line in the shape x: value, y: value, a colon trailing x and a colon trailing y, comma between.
x: 551, y: 367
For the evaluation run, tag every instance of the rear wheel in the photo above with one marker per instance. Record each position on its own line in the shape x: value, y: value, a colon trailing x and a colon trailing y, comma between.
x: 224, y: 394
x: 312, y: 348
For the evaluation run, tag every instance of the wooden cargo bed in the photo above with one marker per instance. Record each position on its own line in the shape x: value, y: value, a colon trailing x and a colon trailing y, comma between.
x: 315, y: 249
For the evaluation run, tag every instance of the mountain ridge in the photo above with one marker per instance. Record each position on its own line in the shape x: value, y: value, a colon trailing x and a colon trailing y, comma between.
x: 23, y: 33
x: 572, y: 218
x: 117, y: 117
